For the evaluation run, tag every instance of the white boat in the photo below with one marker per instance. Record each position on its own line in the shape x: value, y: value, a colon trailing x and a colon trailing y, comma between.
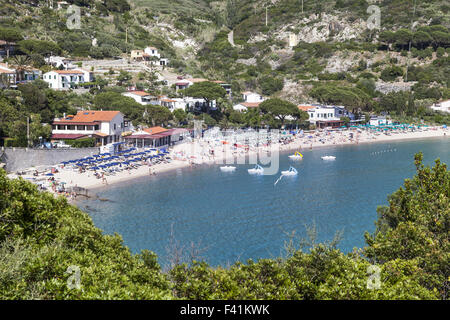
x: 227, y: 168
x: 256, y: 170
x: 291, y: 172
x: 328, y: 158
x: 296, y: 156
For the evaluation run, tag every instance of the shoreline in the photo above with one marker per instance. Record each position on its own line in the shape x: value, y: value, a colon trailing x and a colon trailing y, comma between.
x: 192, y: 154
x: 286, y: 148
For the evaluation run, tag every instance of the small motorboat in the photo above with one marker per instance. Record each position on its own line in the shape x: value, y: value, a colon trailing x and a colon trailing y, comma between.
x: 227, y: 168
x: 328, y: 158
x: 256, y: 170
x: 291, y: 172
x: 296, y: 156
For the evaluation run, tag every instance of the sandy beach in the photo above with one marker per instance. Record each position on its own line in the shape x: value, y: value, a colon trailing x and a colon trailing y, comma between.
x: 227, y: 152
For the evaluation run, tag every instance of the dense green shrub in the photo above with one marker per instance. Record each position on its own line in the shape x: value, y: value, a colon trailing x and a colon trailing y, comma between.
x: 81, y: 143
x: 391, y: 73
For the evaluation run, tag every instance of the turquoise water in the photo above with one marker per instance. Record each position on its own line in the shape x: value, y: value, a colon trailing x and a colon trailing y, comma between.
x: 237, y: 216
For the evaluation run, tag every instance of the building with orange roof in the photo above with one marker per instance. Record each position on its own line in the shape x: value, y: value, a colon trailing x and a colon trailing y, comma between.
x: 67, y: 79
x: 105, y: 126
x: 157, y: 137
x: 305, y: 108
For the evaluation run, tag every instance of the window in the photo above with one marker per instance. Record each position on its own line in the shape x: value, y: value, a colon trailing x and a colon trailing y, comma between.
x: 54, y: 77
x: 115, y: 126
x: 70, y: 127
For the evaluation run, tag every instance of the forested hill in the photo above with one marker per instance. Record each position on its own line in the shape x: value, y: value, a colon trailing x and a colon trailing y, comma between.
x: 400, y: 67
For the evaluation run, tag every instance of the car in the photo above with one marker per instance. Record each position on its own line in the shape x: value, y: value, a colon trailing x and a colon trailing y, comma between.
x: 60, y: 144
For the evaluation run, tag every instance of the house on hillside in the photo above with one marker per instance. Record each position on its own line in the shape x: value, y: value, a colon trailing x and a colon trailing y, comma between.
x: 61, y: 62
x: 67, y: 79
x: 22, y: 75
x: 149, y: 54
x: 142, y: 97
x: 7, y: 76
x: 249, y: 96
x: 4, y: 46
x: 244, y: 106
x: 443, y: 106
x: 105, y: 126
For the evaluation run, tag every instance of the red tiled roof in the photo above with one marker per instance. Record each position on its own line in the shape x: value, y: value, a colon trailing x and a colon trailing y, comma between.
x: 305, y: 108
x: 89, y: 116
x: 139, y: 93
x: 155, y: 130
x: 68, y: 136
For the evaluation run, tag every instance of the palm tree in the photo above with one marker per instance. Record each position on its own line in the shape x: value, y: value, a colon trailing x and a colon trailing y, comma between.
x: 21, y: 63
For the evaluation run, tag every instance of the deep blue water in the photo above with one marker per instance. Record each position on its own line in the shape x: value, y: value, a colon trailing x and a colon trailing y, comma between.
x: 237, y: 216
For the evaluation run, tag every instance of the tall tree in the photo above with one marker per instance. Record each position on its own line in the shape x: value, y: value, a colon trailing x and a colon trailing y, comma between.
x: 21, y: 63
x: 280, y: 109
x: 209, y: 91
x: 10, y: 35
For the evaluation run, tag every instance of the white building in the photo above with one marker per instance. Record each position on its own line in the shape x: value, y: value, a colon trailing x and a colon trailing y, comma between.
x: 327, y: 113
x: 152, y: 52
x: 8, y: 76
x: 379, y: 120
x: 443, y: 106
x: 249, y: 96
x: 244, y: 106
x: 105, y: 126
x: 59, y: 62
x: 142, y: 97
x: 67, y: 79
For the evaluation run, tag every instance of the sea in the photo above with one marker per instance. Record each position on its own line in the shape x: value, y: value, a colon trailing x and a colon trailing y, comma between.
x: 220, y: 217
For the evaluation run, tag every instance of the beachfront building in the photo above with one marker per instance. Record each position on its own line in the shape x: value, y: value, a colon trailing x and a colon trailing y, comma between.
x: 379, y: 121
x: 442, y: 106
x: 105, y: 126
x: 156, y: 137
x: 327, y: 116
x: 142, y: 97
x: 67, y: 79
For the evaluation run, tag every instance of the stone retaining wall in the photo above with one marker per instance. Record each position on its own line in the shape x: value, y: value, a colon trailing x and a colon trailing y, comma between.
x: 24, y: 158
